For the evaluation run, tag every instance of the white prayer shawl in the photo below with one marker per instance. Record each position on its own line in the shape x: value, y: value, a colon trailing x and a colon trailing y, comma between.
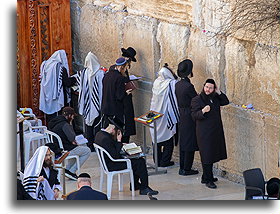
x: 90, y: 91
x: 32, y: 172
x: 51, y: 91
x: 164, y: 101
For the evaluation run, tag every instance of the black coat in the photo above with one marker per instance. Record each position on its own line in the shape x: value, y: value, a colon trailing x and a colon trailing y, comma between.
x: 113, y: 94
x: 129, y: 122
x: 52, y: 179
x: 185, y: 91
x: 106, y: 141
x: 209, y: 128
x: 86, y: 193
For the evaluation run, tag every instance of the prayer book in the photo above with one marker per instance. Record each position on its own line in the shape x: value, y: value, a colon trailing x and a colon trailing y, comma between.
x: 132, y: 148
x: 130, y: 85
x: 80, y: 139
x: 133, y: 77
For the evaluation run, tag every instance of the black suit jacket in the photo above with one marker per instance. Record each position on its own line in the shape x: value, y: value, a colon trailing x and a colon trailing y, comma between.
x: 53, y: 176
x: 106, y: 141
x: 86, y: 193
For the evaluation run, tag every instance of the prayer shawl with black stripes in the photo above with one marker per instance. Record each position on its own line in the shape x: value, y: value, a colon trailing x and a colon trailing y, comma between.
x: 164, y: 101
x: 41, y: 190
x: 90, y: 91
x: 51, y: 91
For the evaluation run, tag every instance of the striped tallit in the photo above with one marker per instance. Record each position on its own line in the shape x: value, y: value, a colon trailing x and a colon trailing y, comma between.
x: 164, y: 101
x: 90, y: 91
x: 51, y: 93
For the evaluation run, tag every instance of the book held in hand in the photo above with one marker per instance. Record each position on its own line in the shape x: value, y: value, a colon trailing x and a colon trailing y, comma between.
x: 130, y: 85
x: 80, y: 139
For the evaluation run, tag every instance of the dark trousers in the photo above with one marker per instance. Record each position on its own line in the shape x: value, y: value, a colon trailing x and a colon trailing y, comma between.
x: 207, y: 172
x: 164, y: 151
x: 90, y: 132
x: 140, y: 172
x: 186, y: 160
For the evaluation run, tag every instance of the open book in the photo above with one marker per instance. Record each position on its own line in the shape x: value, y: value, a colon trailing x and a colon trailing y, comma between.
x: 132, y: 148
x: 80, y: 139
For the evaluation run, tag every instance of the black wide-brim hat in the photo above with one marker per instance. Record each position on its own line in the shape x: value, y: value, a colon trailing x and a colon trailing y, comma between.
x: 129, y: 52
x: 116, y: 122
x: 185, y: 68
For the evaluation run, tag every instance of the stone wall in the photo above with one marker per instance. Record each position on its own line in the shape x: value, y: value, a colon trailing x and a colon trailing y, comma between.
x: 169, y: 31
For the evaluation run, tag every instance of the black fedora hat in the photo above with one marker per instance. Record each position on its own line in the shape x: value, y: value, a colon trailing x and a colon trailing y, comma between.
x: 116, y: 122
x: 185, y: 68
x: 129, y: 52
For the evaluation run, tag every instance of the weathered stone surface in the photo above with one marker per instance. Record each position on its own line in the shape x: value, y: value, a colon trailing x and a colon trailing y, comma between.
x: 252, y: 76
x: 168, y: 10
x: 140, y: 33
x: 248, y: 72
x: 173, y: 41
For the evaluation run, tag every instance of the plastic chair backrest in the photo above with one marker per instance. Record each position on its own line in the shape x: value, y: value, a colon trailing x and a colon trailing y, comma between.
x: 100, y: 153
x: 51, y: 136
x: 254, y: 178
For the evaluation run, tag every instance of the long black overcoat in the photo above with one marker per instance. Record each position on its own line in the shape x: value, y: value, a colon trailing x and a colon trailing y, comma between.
x: 209, y: 128
x: 185, y: 91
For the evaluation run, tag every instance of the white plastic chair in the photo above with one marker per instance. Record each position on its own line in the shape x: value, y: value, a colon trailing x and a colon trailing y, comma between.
x: 103, y: 169
x: 30, y: 136
x: 50, y: 135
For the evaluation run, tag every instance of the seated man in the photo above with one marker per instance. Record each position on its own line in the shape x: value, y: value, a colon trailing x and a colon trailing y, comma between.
x: 40, y: 179
x: 62, y: 125
x: 85, y: 192
x: 110, y: 140
x: 272, y: 188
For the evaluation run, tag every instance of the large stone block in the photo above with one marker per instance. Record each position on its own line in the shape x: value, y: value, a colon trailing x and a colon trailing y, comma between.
x: 140, y: 33
x: 252, y: 76
x: 101, y: 31
x: 179, y: 11
x: 172, y: 51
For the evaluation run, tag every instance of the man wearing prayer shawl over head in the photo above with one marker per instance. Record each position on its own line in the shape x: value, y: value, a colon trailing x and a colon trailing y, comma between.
x: 90, y: 96
x: 55, y: 84
x: 164, y: 101
x: 40, y: 179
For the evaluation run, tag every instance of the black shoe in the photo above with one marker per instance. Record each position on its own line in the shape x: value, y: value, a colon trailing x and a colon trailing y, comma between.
x: 211, y: 185
x: 136, y: 187
x: 204, y: 181
x: 148, y: 190
x: 187, y: 172
x: 170, y: 163
x: 71, y: 175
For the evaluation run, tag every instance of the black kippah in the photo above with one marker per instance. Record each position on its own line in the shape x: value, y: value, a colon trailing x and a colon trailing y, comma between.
x: 210, y: 81
x: 84, y: 175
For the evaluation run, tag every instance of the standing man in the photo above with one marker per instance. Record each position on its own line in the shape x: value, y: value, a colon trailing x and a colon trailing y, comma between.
x: 62, y: 126
x: 129, y: 122
x: 185, y: 91
x: 55, y: 92
x: 113, y: 92
x: 85, y: 192
x: 164, y: 101
x: 206, y: 112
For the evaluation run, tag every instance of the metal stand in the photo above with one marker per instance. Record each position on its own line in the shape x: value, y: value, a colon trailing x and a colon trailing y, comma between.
x: 154, y: 166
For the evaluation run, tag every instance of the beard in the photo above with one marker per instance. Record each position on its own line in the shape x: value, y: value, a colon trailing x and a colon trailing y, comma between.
x: 47, y: 163
x: 208, y: 97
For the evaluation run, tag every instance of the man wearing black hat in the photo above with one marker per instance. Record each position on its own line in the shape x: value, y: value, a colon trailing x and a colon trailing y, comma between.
x: 113, y: 91
x: 85, y: 192
x: 185, y: 91
x: 62, y: 126
x: 129, y: 122
x: 110, y: 140
x: 206, y: 112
